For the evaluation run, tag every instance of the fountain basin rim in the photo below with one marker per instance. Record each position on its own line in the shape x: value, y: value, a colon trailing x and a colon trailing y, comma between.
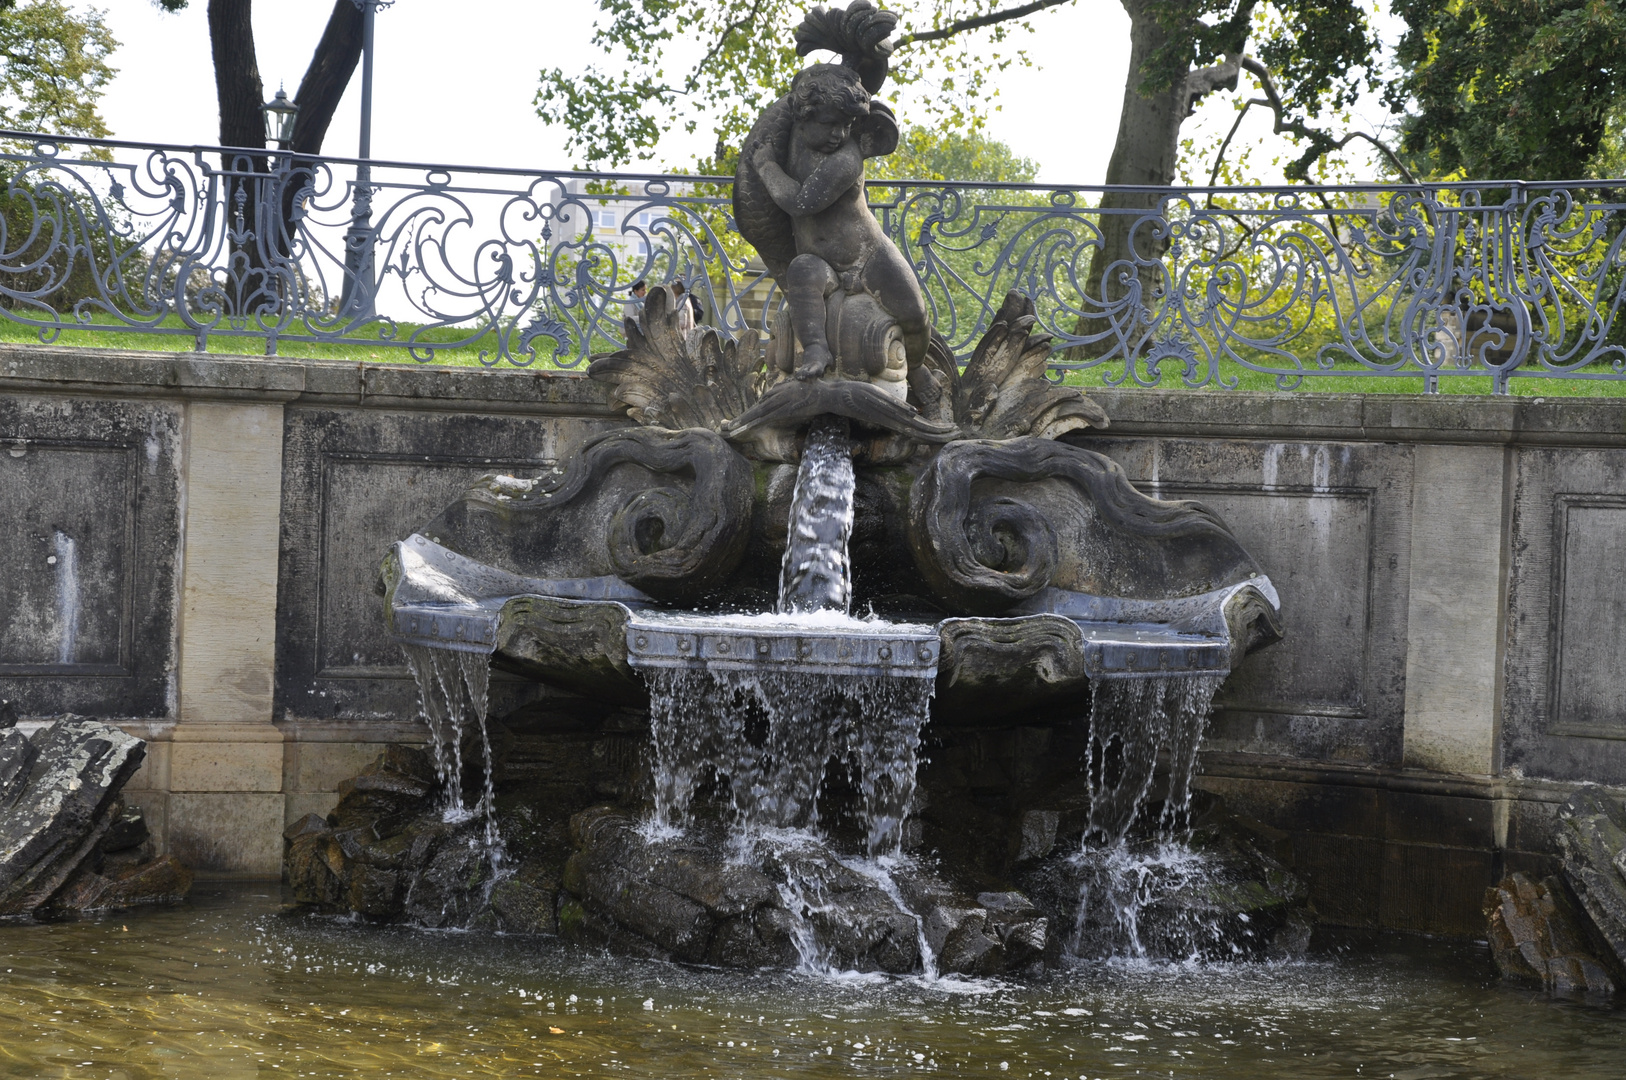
x: 891, y: 650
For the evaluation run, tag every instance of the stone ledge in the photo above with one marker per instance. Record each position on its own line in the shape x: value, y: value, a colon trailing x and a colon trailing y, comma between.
x: 1366, y: 417
x: 64, y: 369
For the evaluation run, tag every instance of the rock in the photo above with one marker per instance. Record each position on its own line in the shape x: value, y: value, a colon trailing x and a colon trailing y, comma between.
x: 58, y: 798
x: 305, y: 862
x: 1036, y: 837
x: 164, y: 880
x: 689, y: 898
x: 8, y: 714
x: 1592, y: 838
x: 522, y: 907
x: 1536, y: 936
x: 129, y: 830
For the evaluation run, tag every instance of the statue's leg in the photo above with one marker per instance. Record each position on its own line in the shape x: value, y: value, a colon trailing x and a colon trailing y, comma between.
x: 891, y: 281
x: 808, y: 285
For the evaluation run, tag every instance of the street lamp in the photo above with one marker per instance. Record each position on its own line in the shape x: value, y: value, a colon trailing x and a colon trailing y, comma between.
x: 279, y: 119
x: 356, y: 293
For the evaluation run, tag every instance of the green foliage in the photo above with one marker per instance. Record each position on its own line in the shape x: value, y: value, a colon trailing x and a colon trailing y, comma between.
x: 1514, y: 89
x: 678, y: 65
x: 53, y: 68
x: 936, y: 154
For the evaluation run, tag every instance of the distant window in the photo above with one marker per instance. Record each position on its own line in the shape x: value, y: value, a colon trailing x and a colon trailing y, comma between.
x: 643, y: 248
x: 606, y: 219
x: 643, y: 219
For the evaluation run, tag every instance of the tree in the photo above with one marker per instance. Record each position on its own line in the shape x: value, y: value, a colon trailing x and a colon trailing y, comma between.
x: 1316, y: 55
x: 1510, y: 89
x: 53, y: 68
x: 239, y: 91
x: 931, y: 154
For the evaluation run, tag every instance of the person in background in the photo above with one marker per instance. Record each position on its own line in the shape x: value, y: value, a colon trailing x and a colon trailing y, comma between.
x: 688, y: 313
x: 639, y: 290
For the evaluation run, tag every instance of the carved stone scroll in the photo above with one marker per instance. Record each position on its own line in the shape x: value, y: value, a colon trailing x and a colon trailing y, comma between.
x: 668, y: 512
x: 991, y: 523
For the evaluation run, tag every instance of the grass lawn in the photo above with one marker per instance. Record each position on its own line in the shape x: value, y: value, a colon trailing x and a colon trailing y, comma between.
x: 451, y: 347
x: 452, y: 350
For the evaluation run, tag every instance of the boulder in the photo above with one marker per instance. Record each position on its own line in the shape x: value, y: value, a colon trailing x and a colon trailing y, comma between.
x: 59, y: 800
x: 1592, y: 841
x: 1538, y: 937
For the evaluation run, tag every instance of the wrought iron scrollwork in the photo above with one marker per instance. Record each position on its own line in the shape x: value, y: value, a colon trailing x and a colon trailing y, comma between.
x: 510, y: 266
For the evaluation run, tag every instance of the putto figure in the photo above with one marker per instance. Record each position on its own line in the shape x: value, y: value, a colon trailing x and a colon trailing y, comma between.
x: 855, y: 308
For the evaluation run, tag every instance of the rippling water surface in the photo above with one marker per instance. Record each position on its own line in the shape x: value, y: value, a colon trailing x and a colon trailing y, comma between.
x: 229, y: 986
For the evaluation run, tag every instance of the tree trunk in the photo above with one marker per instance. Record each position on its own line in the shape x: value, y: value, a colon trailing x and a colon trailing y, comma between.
x: 327, y: 76
x: 267, y: 212
x: 237, y: 73
x: 1145, y: 154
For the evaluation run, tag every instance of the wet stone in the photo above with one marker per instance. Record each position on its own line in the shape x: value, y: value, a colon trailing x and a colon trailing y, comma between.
x: 1538, y: 937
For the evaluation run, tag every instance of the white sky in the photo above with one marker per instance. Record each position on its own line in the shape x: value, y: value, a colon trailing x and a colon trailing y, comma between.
x: 459, y: 88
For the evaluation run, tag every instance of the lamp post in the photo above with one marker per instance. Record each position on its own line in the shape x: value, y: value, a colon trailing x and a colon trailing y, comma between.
x: 357, y: 295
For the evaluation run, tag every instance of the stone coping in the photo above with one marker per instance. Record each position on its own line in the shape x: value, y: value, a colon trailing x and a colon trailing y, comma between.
x: 1373, y: 417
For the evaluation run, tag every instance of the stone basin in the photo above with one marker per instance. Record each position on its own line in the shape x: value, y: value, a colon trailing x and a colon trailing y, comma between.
x: 593, y: 635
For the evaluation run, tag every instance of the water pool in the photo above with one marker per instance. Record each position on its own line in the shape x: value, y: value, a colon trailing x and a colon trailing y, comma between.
x: 231, y: 986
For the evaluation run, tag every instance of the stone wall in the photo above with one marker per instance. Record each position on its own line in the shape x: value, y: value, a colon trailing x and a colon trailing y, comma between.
x: 189, y: 547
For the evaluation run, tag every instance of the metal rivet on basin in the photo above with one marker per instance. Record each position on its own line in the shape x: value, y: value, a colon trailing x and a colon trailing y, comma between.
x: 886, y: 652
x: 925, y: 654
x: 640, y: 641
x: 684, y: 646
x: 1191, y: 658
x: 1129, y: 659
x: 722, y: 646
x: 762, y: 650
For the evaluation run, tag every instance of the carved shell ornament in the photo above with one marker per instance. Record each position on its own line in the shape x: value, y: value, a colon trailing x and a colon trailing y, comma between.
x: 704, y: 378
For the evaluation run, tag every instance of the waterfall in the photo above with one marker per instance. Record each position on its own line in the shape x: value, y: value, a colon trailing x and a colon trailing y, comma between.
x: 771, y: 735
x: 453, y: 687
x: 816, y: 574
x: 1131, y: 721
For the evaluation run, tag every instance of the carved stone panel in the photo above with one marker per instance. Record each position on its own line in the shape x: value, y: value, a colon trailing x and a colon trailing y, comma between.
x: 1330, y: 524
x: 1314, y: 546
x: 354, y: 482
x: 88, y: 550
x: 1564, y: 702
x: 1589, y: 591
x: 65, y: 548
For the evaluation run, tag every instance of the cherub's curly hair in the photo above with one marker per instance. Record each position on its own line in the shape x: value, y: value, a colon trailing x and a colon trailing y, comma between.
x: 828, y: 84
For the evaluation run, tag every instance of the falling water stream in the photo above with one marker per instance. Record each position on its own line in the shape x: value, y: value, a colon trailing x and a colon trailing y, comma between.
x: 763, y: 738
x: 453, y: 689
x: 1131, y: 721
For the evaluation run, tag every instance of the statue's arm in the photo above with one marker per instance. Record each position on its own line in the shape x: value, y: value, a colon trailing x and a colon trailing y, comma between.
x: 835, y: 175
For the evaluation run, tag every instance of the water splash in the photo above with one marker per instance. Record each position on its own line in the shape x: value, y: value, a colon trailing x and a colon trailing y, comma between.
x: 1131, y: 721
x: 816, y: 574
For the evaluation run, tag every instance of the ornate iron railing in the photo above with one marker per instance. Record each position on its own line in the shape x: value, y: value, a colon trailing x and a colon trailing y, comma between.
x: 1198, y: 286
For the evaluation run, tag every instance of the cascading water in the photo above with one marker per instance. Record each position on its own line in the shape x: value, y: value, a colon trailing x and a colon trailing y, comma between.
x: 453, y: 687
x: 771, y: 735
x: 1131, y: 721
x: 816, y: 574
x: 770, y: 727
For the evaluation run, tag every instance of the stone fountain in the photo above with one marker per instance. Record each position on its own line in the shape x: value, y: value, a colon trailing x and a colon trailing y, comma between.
x: 800, y: 552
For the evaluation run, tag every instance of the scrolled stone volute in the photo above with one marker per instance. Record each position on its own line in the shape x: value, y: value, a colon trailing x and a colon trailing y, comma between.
x: 668, y: 512
x: 992, y: 523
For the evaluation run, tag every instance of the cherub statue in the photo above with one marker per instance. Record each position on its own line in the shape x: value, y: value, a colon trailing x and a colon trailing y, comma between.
x: 799, y: 199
